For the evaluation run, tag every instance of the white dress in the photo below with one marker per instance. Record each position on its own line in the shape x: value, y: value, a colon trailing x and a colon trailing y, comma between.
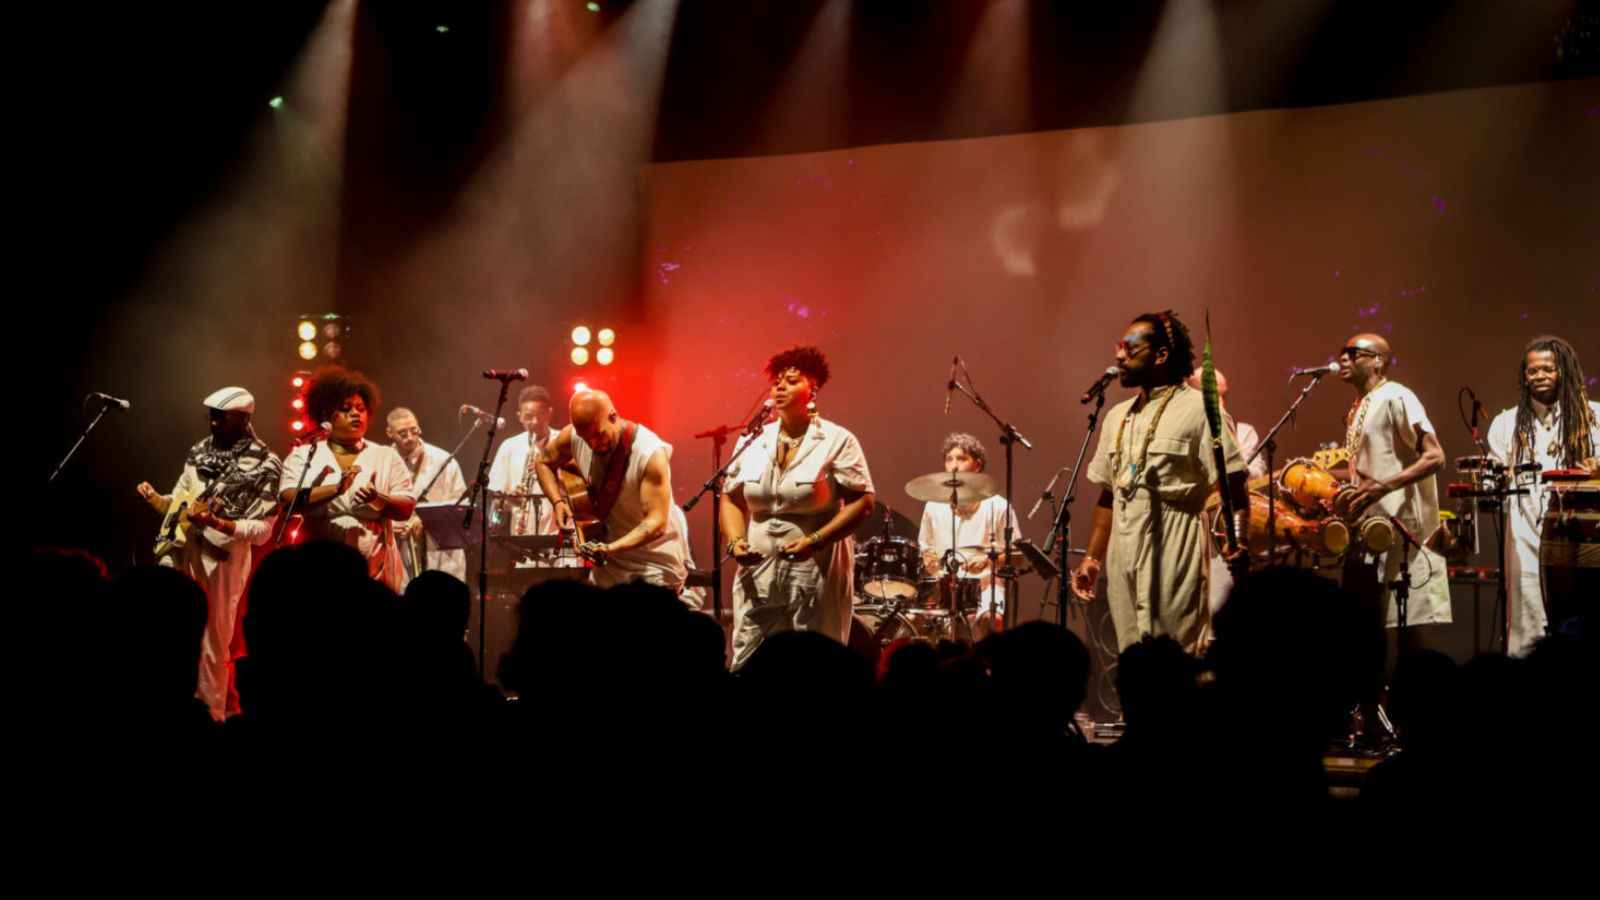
x: 1525, y: 514
x: 976, y: 529
x: 1387, y: 444
x: 777, y: 594
x: 340, y: 520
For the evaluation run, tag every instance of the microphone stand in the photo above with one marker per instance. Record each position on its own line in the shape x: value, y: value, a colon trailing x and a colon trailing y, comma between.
x: 1269, y: 444
x: 480, y: 494
x: 1061, y: 528
x: 1009, y: 435
x: 105, y: 406
x: 283, y: 523
x: 719, y: 436
x: 417, y: 565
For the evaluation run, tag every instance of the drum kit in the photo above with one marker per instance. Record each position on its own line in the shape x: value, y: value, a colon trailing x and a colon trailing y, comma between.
x: 903, y: 593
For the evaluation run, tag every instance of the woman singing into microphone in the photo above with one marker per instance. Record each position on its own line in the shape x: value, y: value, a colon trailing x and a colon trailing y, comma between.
x: 793, y: 500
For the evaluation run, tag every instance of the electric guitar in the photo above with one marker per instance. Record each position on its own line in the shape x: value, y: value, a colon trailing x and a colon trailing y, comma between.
x: 176, y: 525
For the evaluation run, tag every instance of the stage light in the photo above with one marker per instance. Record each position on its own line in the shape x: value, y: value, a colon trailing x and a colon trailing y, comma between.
x: 580, y: 335
x: 579, y: 387
x: 307, y: 331
x: 332, y: 349
x: 276, y: 103
x: 298, y: 404
x: 592, y: 7
x: 605, y: 355
x: 442, y: 29
x: 580, y: 356
x: 606, y: 337
x: 297, y: 382
x: 297, y: 425
x: 332, y: 331
x: 308, y: 350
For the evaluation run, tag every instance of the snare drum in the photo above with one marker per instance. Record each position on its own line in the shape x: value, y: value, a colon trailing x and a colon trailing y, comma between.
x: 887, y: 569
x: 945, y: 594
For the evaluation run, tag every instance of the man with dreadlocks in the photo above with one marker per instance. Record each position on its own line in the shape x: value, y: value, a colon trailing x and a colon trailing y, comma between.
x: 1553, y: 425
x: 1155, y: 467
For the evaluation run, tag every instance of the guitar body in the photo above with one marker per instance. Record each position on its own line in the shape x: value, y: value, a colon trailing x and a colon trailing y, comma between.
x: 175, y: 526
x: 589, y: 530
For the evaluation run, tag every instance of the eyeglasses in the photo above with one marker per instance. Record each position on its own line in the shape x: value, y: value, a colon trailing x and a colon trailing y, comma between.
x: 1129, y: 347
x: 1354, y: 352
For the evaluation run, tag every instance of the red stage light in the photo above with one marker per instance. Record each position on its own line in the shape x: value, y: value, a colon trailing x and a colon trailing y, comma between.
x: 297, y: 425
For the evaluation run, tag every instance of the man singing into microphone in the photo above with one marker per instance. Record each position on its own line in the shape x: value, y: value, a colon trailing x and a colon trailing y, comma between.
x: 428, y: 465
x: 1155, y: 466
x: 1394, y: 453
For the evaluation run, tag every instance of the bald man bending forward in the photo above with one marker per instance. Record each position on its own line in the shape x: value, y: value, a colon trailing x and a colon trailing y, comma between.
x: 630, y: 482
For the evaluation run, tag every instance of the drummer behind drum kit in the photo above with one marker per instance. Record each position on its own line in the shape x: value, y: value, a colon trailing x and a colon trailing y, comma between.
x: 896, y: 597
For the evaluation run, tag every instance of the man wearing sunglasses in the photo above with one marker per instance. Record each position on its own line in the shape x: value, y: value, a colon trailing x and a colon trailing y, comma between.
x: 1394, y: 453
x: 1155, y: 467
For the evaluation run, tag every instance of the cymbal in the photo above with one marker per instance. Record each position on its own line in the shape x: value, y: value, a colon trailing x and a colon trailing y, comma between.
x: 968, y: 487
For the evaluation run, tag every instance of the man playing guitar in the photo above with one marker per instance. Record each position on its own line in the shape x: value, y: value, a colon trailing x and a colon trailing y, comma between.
x: 625, y: 490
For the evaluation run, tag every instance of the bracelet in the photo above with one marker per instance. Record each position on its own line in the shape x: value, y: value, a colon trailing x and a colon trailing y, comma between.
x: 815, y: 539
x: 733, y: 542
x: 1088, y: 558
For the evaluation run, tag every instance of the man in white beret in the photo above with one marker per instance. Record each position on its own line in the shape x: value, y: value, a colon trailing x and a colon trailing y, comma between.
x: 229, y: 495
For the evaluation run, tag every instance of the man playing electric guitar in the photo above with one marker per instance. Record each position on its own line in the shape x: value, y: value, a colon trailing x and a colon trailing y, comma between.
x: 629, y: 484
x: 225, y: 501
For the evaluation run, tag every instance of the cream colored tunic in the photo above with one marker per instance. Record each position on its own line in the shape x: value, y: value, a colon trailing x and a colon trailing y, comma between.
x: 1155, y: 564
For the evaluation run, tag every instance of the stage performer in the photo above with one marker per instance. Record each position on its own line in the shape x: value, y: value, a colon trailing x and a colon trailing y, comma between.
x: 1155, y: 465
x: 793, y: 500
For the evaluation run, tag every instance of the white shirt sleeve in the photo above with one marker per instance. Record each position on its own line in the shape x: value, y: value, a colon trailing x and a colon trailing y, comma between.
x: 850, y: 466
x: 1501, y: 432
x: 500, y: 469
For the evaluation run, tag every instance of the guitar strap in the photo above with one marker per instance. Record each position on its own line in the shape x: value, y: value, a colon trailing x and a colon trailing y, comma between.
x: 616, y: 468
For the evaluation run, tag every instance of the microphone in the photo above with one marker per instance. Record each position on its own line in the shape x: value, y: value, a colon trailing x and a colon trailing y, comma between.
x: 760, y: 418
x: 1098, y: 388
x: 314, y: 435
x: 1405, y: 533
x: 111, y: 401
x: 1316, y: 371
x: 1477, y: 409
x: 469, y: 408
x: 1047, y: 489
x: 950, y: 386
x: 506, y: 374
